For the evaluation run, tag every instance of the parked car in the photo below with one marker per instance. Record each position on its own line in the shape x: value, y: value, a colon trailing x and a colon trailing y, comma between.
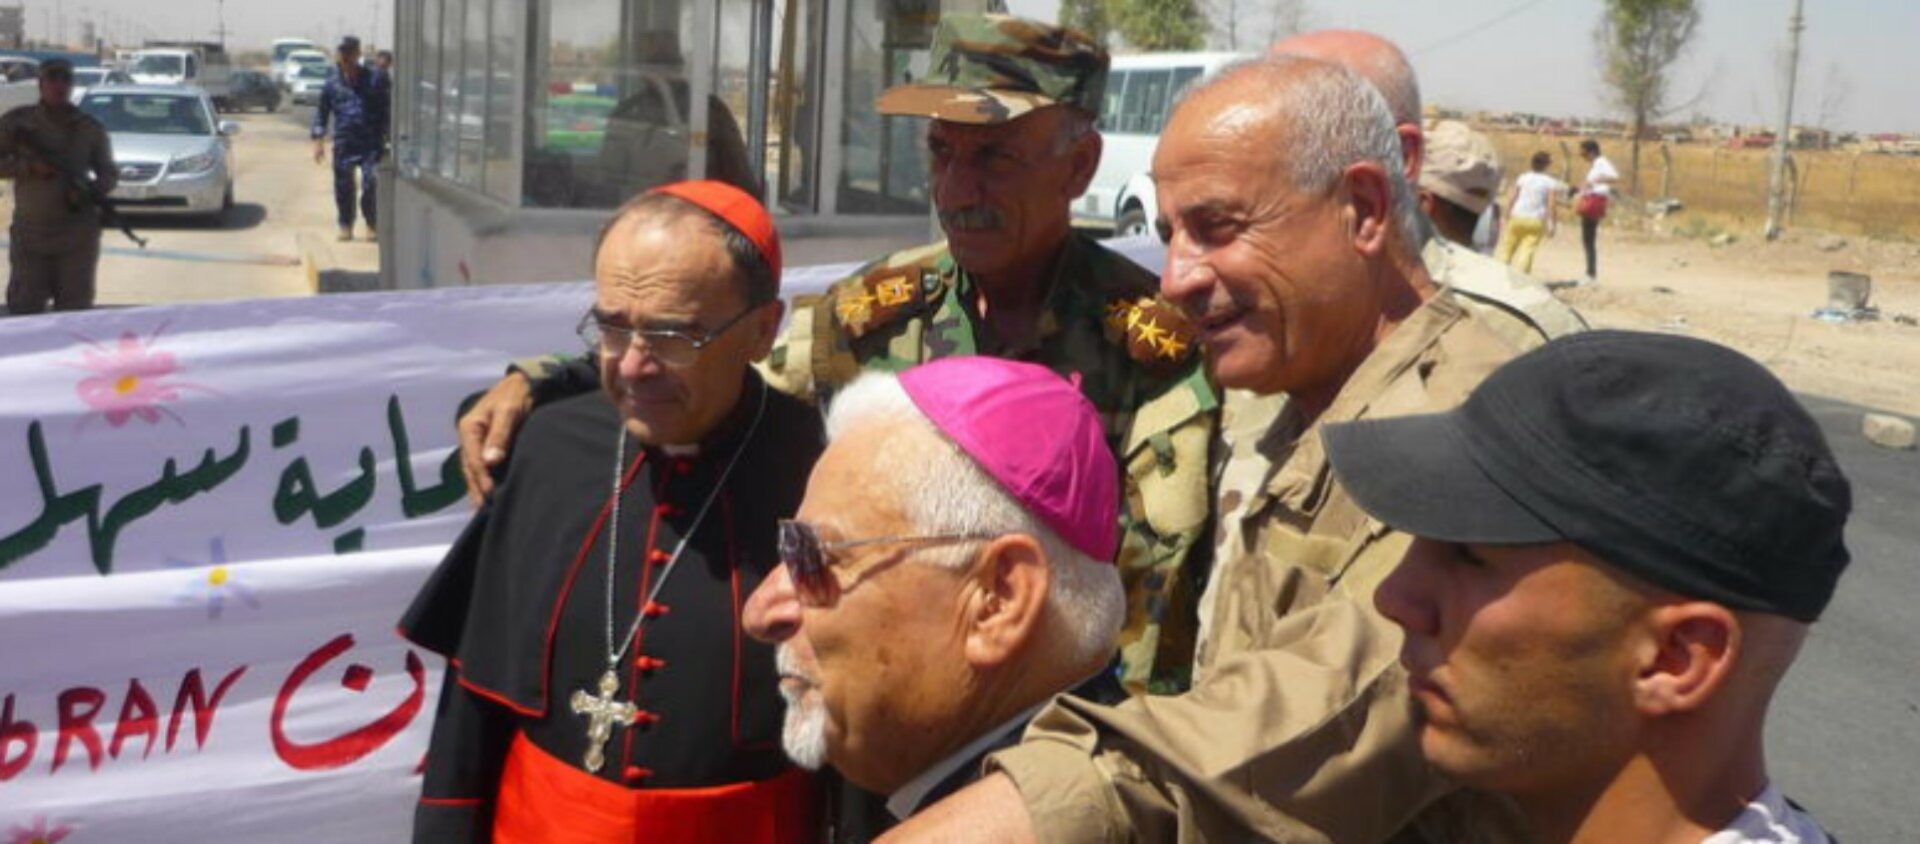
x: 1141, y: 91
x: 253, y: 89
x: 306, y: 85
x: 88, y: 78
x: 298, y: 61
x: 174, y: 156
x: 282, y: 49
x: 19, y: 83
x: 19, y: 68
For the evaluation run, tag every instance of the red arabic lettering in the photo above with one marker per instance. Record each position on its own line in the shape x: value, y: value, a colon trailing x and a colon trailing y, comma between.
x: 352, y: 746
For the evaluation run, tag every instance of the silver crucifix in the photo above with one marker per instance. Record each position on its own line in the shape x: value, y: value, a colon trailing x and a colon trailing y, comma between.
x: 602, y: 713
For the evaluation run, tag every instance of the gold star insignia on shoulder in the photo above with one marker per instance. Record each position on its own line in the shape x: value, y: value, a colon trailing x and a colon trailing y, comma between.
x: 854, y: 309
x: 894, y: 291
x: 1155, y: 334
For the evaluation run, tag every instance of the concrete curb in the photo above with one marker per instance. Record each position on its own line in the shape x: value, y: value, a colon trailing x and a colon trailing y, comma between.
x: 321, y: 263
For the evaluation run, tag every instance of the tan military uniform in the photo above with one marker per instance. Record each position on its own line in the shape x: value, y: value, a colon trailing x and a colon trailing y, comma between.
x: 1489, y: 283
x: 55, y: 237
x: 1136, y: 360
x: 1516, y: 306
x: 1299, y: 727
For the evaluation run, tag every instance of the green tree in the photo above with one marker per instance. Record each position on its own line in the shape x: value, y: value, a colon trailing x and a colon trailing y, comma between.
x: 1160, y: 24
x: 1639, y: 42
x: 1088, y: 16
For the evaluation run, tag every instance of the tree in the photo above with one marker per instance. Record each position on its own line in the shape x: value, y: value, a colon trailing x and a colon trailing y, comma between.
x: 1088, y: 16
x: 1240, y: 22
x: 1160, y: 24
x: 1639, y: 42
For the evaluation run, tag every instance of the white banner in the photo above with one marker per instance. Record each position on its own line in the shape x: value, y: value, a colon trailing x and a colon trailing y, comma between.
x: 210, y: 519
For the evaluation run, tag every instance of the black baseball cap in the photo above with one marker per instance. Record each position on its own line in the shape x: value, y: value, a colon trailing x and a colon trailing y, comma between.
x: 349, y: 42
x: 1679, y: 461
x: 57, y: 67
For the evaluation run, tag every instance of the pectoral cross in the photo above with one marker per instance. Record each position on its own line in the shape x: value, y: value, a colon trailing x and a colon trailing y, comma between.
x: 602, y: 713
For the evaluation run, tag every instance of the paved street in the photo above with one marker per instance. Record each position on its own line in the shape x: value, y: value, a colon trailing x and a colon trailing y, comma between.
x: 279, y: 193
x: 1844, y: 735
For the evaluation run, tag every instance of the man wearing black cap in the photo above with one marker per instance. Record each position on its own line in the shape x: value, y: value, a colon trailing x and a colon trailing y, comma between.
x: 355, y: 98
x: 56, y: 234
x: 1617, y: 557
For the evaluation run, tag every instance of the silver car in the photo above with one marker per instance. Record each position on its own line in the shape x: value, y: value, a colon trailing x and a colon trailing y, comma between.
x: 305, y: 84
x: 174, y: 155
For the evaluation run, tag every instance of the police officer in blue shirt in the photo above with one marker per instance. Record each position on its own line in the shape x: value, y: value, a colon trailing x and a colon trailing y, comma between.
x: 355, y: 99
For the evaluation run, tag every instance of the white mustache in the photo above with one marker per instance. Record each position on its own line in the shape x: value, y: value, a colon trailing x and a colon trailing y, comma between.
x: 970, y: 219
x: 789, y: 666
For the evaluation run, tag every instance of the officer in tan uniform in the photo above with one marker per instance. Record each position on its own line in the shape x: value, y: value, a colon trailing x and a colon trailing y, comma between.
x: 56, y: 232
x: 1521, y: 309
x: 1295, y: 249
x: 1011, y: 144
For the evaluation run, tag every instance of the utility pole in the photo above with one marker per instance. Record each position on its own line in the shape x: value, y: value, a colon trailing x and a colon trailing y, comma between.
x: 221, y: 13
x: 1777, y: 186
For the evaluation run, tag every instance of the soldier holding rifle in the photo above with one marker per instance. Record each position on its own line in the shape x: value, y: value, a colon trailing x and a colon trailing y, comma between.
x: 48, y: 149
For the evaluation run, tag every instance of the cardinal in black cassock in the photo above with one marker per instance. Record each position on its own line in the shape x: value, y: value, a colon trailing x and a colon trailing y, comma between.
x: 566, y: 717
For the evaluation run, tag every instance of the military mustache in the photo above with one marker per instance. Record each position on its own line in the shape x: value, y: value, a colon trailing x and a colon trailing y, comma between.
x: 971, y: 219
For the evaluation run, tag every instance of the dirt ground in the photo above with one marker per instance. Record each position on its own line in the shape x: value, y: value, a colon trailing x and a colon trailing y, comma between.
x: 1759, y: 297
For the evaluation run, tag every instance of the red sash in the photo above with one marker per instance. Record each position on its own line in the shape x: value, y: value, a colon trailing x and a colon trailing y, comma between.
x: 546, y: 801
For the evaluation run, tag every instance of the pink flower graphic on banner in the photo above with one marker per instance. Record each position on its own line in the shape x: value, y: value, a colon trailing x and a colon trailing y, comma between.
x: 130, y: 378
x: 39, y: 833
x: 214, y: 586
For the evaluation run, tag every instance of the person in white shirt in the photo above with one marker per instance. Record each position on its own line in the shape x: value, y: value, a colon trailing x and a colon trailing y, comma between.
x: 1532, y: 214
x: 1595, y: 193
x: 1615, y: 561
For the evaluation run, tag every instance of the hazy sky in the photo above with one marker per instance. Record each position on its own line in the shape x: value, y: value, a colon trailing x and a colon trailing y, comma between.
x: 1528, y: 55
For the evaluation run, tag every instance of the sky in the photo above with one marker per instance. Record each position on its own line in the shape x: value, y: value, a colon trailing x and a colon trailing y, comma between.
x: 1519, y: 55
x: 1538, y: 55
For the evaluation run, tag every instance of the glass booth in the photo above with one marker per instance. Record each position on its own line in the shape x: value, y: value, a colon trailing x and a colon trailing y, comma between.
x: 520, y: 115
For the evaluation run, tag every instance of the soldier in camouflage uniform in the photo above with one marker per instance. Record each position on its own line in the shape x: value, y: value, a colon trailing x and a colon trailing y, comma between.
x: 1011, y: 142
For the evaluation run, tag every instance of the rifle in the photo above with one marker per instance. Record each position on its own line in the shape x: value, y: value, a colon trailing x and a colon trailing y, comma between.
x: 82, y: 190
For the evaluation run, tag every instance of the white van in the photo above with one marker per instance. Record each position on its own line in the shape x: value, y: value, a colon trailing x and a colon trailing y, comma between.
x: 283, y: 48
x: 1141, y: 90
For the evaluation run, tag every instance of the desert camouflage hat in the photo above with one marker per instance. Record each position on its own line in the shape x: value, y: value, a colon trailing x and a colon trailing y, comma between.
x: 994, y: 68
x: 1461, y: 166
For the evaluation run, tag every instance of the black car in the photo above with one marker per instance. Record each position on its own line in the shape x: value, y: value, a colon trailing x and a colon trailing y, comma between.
x: 252, y: 89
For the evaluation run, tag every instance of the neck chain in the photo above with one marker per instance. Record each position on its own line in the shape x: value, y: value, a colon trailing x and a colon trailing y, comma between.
x: 666, y: 571
x: 601, y: 709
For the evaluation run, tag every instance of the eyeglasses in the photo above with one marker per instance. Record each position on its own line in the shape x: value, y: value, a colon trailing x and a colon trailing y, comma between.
x: 670, y: 346
x: 805, y: 557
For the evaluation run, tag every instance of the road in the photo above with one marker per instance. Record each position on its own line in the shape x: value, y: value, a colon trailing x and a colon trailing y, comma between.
x: 1844, y: 735
x: 279, y: 192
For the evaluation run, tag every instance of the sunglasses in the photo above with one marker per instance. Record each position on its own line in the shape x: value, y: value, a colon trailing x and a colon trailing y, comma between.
x: 805, y: 557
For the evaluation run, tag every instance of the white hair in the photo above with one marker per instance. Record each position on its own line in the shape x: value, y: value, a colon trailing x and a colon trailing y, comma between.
x: 1331, y: 118
x: 943, y: 491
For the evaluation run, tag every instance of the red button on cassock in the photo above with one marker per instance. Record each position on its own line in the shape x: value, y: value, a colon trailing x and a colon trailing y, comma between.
x: 645, y: 718
x: 635, y: 773
x: 655, y: 609
x: 658, y: 555
x: 647, y: 663
x: 683, y: 467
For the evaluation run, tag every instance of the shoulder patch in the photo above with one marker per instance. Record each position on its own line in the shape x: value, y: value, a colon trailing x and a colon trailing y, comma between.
x: 882, y: 296
x: 1155, y: 334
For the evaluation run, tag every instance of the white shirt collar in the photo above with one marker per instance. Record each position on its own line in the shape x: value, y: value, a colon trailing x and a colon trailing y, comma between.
x: 907, y: 797
x: 1769, y: 819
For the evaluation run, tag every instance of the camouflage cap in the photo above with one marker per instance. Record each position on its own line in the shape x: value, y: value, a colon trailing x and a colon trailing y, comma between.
x: 994, y: 68
x: 1461, y: 166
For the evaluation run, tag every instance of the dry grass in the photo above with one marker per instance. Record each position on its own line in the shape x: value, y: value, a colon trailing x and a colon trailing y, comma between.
x: 1862, y: 194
